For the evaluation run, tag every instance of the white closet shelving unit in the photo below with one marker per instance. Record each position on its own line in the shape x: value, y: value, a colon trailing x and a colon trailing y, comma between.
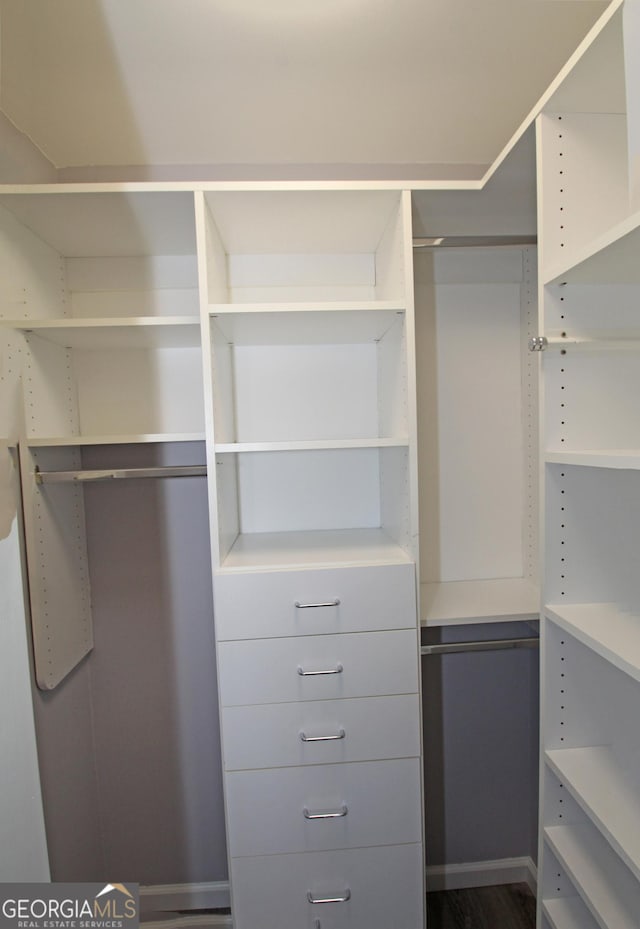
x: 307, y: 316
x: 101, y: 309
x: 590, y: 283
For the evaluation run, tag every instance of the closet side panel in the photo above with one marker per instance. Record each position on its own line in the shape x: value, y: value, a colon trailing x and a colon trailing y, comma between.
x: 24, y: 858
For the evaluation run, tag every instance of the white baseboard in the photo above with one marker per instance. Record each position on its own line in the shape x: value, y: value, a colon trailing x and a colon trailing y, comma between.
x: 172, y: 898
x: 482, y: 874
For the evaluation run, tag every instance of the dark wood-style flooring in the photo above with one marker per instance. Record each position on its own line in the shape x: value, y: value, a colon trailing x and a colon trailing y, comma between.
x: 508, y: 906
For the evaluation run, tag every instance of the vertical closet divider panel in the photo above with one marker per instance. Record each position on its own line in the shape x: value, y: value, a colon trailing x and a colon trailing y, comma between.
x: 590, y: 245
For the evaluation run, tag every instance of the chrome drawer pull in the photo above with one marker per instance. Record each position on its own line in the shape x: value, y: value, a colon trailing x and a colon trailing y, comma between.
x: 330, y: 814
x: 337, y: 670
x: 342, y: 899
x: 315, y: 606
x: 323, y: 738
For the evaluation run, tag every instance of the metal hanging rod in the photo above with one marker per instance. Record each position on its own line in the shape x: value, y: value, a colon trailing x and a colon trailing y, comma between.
x: 473, y: 241
x: 110, y: 474
x: 448, y: 648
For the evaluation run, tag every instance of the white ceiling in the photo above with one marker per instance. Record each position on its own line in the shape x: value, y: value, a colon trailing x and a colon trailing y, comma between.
x: 281, y: 82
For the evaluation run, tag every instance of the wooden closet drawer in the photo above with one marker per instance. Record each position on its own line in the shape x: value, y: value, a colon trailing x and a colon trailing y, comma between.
x: 323, y: 806
x: 320, y: 732
x: 253, y: 606
x: 383, y: 886
x: 323, y: 667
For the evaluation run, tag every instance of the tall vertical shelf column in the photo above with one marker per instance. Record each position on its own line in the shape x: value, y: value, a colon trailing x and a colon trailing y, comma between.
x: 590, y: 246
x: 307, y: 306
x: 101, y: 306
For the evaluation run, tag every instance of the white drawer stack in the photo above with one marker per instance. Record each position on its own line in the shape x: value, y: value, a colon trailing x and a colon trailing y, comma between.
x: 318, y: 678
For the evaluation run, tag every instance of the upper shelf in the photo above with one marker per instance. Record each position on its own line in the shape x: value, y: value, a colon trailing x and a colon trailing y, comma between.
x: 140, y: 332
x: 609, y: 258
x: 462, y: 602
x: 305, y: 324
x: 605, y: 628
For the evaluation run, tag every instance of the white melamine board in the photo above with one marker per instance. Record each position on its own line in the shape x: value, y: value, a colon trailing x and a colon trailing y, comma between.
x: 396, y: 512
x: 280, y: 550
x: 568, y: 913
x: 299, y: 222
x: 214, y: 282
x: 393, y: 384
x: 264, y: 272
x: 58, y: 571
x: 390, y: 257
x: 263, y: 604
x: 139, y: 391
x: 114, y: 333
x: 308, y: 445
x: 50, y: 395
x: 608, y: 889
x: 385, y: 883
x: 631, y: 21
x: 608, y: 312
x: 606, y: 257
x: 503, y: 600
x: 222, y: 397
x: 81, y: 224
x: 32, y: 275
x: 305, y: 392
x: 226, y: 514
x: 618, y: 458
x: 23, y: 855
x: 480, y: 432
x: 266, y: 807
x: 583, y: 182
x: 590, y: 558
x: 589, y: 701
x: 73, y: 441
x: 132, y: 303
x: 605, y: 628
x: 591, y: 400
x: 271, y: 735
x: 608, y: 794
x: 306, y: 323
x: 265, y: 671
x: 142, y: 274
x: 596, y: 83
x: 292, y: 491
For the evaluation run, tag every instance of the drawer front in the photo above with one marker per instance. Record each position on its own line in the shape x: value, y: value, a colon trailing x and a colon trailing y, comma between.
x: 325, y: 667
x: 320, y: 732
x: 254, y: 606
x: 384, y: 886
x: 323, y: 806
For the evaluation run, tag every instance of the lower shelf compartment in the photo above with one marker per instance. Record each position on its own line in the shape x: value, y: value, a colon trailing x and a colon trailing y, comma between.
x: 596, y: 780
x: 606, y: 886
x: 568, y: 913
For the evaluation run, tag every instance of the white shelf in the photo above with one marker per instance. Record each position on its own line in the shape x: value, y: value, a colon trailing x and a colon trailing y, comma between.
x: 309, y: 445
x: 568, y: 913
x: 606, y: 886
x: 283, y: 550
x: 136, y: 332
x: 624, y: 459
x: 462, y: 602
x: 305, y: 323
x: 76, y: 441
x: 607, y: 794
x: 604, y: 628
x: 612, y: 257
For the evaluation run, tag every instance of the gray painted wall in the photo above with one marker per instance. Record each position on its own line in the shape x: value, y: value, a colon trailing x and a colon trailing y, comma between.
x: 481, y: 749
x: 135, y: 727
